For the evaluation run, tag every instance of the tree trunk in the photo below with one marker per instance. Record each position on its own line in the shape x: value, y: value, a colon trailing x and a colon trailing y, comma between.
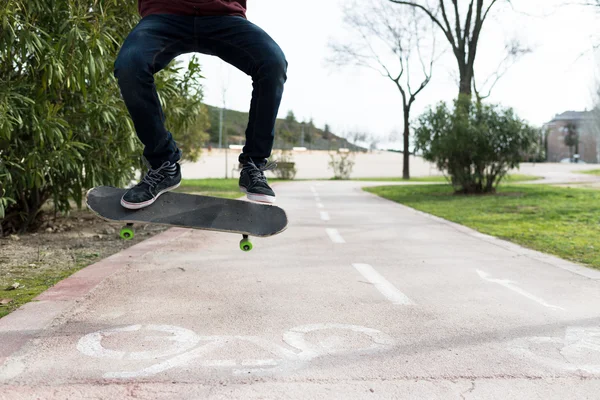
x: 466, y: 80
x: 406, y: 151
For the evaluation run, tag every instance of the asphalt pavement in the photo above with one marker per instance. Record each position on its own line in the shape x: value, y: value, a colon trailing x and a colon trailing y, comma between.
x: 361, y: 298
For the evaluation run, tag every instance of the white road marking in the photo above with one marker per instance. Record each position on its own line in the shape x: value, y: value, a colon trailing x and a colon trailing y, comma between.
x: 320, y: 205
x: 312, y: 189
x: 578, y: 351
x: 296, y: 337
x: 383, y: 285
x: 325, y: 216
x: 285, y: 360
x: 12, y: 367
x: 510, y: 285
x: 317, y: 199
x: 335, y: 236
x: 180, y: 340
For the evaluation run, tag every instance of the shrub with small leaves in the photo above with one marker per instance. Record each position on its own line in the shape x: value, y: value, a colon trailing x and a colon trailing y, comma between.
x: 474, y: 144
x: 286, y: 167
x: 63, y: 125
x: 342, y: 164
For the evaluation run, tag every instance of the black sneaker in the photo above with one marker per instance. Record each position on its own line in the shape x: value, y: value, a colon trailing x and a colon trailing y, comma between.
x: 156, y: 182
x: 253, y: 182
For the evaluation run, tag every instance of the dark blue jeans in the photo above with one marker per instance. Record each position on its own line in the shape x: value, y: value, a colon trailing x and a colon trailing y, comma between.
x: 158, y: 39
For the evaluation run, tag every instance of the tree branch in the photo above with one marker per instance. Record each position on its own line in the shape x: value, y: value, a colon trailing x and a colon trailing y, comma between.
x: 445, y: 16
x: 431, y: 16
x: 514, y: 51
x: 457, y: 21
x: 468, y: 21
x: 488, y: 10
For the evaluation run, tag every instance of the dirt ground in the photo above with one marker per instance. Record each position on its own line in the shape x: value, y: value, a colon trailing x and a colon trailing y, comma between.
x: 32, y: 262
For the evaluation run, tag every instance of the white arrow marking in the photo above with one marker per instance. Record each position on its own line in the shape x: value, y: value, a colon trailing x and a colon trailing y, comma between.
x: 510, y: 285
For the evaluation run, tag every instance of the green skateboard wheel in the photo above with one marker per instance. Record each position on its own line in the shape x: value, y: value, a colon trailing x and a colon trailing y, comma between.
x: 245, y: 245
x: 127, y: 233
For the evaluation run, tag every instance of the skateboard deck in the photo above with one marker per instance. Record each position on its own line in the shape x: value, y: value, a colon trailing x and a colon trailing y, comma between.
x: 190, y: 211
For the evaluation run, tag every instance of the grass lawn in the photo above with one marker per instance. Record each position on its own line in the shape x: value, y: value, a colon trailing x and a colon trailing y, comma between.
x: 559, y: 221
x: 591, y: 172
x: 32, y: 284
x: 227, y: 188
x: 441, y: 179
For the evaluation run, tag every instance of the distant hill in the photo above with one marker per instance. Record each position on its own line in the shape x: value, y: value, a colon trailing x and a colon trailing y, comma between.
x: 288, y: 132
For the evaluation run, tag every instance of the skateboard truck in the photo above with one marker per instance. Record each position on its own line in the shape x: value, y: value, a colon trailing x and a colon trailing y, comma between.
x: 127, y: 233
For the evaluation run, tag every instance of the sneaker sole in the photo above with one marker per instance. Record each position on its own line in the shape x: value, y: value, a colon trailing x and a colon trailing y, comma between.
x: 138, y: 206
x: 259, y: 198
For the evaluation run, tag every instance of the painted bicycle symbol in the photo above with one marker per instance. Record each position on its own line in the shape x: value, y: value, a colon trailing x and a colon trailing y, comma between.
x: 179, y: 346
x: 578, y: 351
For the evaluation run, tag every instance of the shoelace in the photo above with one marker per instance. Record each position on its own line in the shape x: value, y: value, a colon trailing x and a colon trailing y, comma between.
x: 154, y: 176
x: 257, y: 173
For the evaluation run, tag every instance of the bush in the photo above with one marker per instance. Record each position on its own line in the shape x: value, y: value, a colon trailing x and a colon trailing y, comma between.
x: 286, y: 168
x: 474, y: 144
x: 63, y: 125
x: 342, y: 164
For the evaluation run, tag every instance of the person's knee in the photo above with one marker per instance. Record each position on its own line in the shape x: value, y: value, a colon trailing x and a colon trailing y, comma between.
x: 275, y: 66
x: 130, y: 63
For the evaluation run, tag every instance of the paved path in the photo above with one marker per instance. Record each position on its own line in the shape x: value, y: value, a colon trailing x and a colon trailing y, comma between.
x: 361, y: 298
x: 561, y: 174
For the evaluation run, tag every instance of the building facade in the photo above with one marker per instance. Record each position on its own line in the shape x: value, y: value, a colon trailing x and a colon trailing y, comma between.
x: 587, y: 128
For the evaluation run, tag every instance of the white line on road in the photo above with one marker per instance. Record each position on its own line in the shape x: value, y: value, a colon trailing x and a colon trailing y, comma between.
x: 325, y: 216
x: 510, y: 285
x: 335, y: 236
x: 320, y: 205
x: 312, y: 189
x: 383, y: 285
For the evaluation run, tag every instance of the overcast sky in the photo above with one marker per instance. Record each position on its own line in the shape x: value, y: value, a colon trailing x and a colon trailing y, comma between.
x: 559, y: 75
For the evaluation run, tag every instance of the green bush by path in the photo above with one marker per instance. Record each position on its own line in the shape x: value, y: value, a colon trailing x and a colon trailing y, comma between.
x: 560, y: 221
x: 63, y: 125
x: 474, y: 144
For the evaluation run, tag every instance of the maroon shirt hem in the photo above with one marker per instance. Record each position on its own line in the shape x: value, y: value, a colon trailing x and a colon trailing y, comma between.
x: 193, y: 7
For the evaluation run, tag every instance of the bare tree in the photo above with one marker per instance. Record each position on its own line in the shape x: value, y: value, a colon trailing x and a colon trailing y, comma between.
x: 462, y: 35
x: 391, y: 42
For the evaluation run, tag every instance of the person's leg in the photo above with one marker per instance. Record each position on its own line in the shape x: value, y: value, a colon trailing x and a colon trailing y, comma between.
x: 149, y: 48
x: 247, y: 47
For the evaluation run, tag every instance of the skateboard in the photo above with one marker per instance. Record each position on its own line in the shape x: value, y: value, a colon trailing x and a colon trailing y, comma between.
x: 191, y: 211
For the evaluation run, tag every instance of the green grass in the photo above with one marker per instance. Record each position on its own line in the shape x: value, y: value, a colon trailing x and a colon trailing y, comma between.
x: 34, y: 283
x: 433, y: 179
x: 441, y: 179
x: 591, y: 172
x: 227, y: 188
x: 559, y: 221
